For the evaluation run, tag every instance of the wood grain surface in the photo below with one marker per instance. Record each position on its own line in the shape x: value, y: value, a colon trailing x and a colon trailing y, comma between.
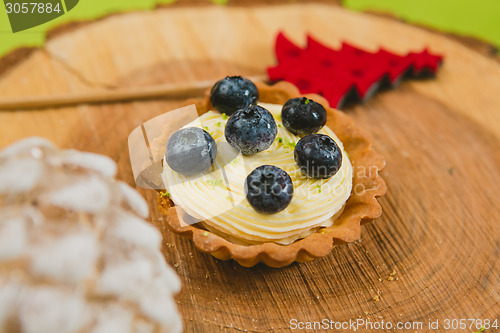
x: 434, y: 252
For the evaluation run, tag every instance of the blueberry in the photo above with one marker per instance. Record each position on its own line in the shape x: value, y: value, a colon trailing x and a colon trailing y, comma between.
x: 233, y: 93
x: 269, y: 189
x: 303, y: 116
x: 251, y: 130
x: 191, y: 151
x: 318, y: 156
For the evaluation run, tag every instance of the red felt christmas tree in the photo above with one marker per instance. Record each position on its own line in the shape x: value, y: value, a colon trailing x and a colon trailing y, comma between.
x: 347, y: 72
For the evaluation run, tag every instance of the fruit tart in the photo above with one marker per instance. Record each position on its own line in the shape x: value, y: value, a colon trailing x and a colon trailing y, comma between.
x: 266, y: 175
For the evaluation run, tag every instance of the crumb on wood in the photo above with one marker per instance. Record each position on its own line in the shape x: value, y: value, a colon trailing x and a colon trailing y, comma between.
x: 392, y: 276
x: 376, y: 298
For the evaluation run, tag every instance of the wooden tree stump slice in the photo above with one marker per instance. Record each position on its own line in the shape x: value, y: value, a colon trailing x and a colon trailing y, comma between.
x: 433, y: 255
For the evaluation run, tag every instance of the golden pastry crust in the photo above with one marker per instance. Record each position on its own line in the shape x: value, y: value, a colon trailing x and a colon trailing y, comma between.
x: 362, y: 206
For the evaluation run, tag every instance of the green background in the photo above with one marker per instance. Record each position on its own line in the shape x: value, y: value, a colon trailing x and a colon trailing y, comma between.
x: 480, y: 19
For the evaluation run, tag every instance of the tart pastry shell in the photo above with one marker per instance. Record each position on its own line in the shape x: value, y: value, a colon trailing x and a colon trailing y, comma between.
x: 361, y: 207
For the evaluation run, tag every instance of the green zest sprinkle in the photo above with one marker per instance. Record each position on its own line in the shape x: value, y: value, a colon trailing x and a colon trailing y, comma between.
x: 218, y: 124
x: 289, y: 144
x: 279, y: 125
x: 323, y: 231
x: 214, y: 183
x: 205, y: 233
x: 164, y: 194
x: 280, y: 140
x: 205, y: 128
x: 224, y: 116
x: 236, y: 160
x: 307, y: 101
x: 319, y: 188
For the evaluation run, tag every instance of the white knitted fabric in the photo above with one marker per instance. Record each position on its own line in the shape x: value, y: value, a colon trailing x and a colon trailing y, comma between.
x: 75, y: 252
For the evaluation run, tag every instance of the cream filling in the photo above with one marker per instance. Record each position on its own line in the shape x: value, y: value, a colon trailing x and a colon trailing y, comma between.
x: 217, y: 197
